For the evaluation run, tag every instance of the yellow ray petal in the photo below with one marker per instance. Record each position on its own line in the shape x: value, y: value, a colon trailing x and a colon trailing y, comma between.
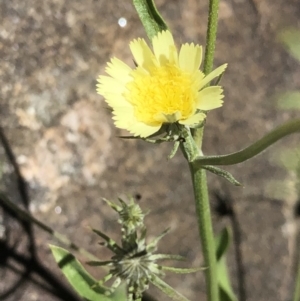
x: 163, y: 46
x: 190, y: 57
x: 143, y: 130
x: 194, y: 119
x: 210, y: 98
x: 142, y: 54
x: 125, y: 119
x: 123, y: 116
x: 116, y: 100
x: 107, y: 84
x: 212, y: 75
x: 118, y: 70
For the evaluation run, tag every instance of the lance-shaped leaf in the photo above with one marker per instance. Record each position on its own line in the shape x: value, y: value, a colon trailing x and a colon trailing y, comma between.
x: 222, y: 173
x: 82, y: 281
x: 222, y: 243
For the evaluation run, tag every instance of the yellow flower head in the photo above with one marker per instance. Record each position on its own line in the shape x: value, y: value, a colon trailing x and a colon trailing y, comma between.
x: 165, y: 87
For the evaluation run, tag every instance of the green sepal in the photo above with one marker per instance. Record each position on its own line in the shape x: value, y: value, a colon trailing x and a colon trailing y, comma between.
x: 167, y: 257
x: 188, y: 145
x: 168, y: 290
x: 222, y: 242
x: 150, y: 17
x: 82, y: 281
x: 222, y: 173
x: 109, y: 242
x: 174, y: 150
x: 182, y: 271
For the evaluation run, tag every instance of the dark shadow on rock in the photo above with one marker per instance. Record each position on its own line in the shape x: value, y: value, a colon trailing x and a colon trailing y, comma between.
x: 27, y: 259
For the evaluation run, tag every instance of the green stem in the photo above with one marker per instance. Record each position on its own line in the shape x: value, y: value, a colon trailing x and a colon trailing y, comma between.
x: 211, y: 36
x: 190, y: 151
x: 199, y: 175
x: 205, y: 231
x: 257, y: 147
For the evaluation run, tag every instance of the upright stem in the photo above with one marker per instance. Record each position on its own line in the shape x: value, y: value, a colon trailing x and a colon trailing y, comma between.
x: 211, y: 36
x: 205, y: 231
x: 199, y: 175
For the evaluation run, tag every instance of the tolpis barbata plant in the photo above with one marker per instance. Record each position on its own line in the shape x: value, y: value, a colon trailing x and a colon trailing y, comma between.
x: 165, y: 96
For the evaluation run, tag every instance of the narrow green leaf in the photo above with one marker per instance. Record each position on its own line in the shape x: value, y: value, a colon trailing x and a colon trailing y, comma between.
x: 226, y: 292
x: 222, y: 173
x: 222, y: 242
x: 289, y: 100
x: 290, y: 38
x: 150, y: 17
x: 182, y: 271
x: 81, y: 280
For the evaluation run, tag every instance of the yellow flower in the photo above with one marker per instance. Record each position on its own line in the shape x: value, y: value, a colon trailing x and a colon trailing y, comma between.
x: 165, y: 87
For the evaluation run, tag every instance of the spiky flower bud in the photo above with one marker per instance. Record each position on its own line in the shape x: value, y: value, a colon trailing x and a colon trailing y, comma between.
x: 134, y: 261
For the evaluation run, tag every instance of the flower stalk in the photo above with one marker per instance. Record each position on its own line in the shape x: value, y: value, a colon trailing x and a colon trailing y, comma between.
x: 211, y: 36
x: 199, y: 175
x: 190, y: 151
x: 205, y: 230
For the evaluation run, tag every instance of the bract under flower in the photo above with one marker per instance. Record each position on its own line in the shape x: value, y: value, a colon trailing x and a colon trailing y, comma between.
x: 165, y: 87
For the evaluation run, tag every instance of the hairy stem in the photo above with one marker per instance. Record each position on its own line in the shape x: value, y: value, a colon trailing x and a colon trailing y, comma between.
x: 211, y: 36
x: 205, y: 231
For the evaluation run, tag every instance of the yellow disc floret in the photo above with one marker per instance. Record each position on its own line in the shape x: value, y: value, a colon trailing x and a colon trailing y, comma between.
x: 165, y: 94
